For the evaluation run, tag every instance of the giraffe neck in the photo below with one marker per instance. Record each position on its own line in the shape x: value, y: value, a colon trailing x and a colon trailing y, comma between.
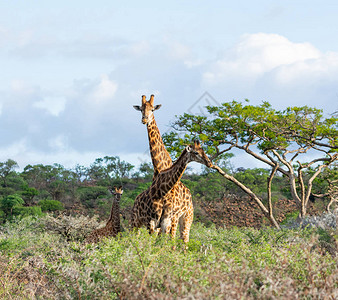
x: 159, y: 154
x: 114, y: 219
x: 166, y: 180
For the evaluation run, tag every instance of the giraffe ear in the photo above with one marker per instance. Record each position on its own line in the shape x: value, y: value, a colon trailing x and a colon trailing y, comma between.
x: 137, y: 107
x: 188, y: 148
x: 157, y: 106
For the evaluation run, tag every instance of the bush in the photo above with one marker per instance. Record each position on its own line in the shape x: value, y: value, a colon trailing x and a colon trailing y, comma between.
x: 24, y: 211
x: 328, y: 220
x: 72, y: 228
x: 50, y: 205
x: 7, y: 203
x: 236, y: 263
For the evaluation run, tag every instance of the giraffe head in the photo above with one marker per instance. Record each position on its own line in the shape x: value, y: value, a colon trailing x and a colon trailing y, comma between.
x: 196, y: 153
x: 117, y: 192
x: 147, y: 108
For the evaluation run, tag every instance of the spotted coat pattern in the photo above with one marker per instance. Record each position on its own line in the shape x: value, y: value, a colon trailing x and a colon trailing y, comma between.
x: 153, y: 208
x: 113, y: 225
x: 178, y: 206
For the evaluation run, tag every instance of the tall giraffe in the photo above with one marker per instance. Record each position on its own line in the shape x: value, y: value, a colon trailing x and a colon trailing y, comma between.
x: 149, y: 206
x: 179, y: 199
x: 113, y: 226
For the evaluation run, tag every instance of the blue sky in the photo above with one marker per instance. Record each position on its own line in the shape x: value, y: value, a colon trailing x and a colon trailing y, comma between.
x: 71, y: 70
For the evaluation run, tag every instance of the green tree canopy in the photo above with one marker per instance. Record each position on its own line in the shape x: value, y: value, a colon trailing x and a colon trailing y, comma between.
x: 109, y: 168
x: 7, y: 203
x: 6, y: 169
x: 290, y: 140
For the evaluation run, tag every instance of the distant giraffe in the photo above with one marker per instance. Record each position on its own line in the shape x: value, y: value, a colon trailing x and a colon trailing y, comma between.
x: 148, y: 209
x: 113, y: 226
x: 178, y: 202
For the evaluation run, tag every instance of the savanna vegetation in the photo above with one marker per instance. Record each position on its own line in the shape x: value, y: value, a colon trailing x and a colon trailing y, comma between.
x: 46, y: 211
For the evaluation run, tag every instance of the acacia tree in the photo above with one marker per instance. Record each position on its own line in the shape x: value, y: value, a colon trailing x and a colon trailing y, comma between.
x: 289, y: 141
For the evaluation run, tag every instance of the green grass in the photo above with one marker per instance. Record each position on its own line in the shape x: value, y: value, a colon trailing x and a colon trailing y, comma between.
x: 236, y: 263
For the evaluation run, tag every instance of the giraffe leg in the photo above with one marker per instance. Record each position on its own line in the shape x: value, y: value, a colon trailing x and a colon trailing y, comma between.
x: 166, y: 225
x: 185, y: 225
x: 174, y: 224
x: 166, y: 219
x: 153, y: 227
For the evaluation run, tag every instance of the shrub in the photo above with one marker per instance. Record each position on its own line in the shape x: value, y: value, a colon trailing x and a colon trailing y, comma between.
x: 7, y: 203
x: 24, y: 211
x: 236, y: 263
x: 327, y: 220
x: 50, y: 205
x: 72, y: 228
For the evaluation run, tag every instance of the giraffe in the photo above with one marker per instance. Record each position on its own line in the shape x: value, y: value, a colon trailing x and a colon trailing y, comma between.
x: 149, y: 207
x: 113, y: 226
x: 179, y: 199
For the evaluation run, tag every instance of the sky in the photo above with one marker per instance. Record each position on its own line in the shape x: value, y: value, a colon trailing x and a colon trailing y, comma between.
x: 70, y: 71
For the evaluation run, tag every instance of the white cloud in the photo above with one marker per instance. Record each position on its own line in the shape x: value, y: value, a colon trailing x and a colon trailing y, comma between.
x: 139, y: 48
x: 95, y: 115
x: 270, y: 67
x: 3, y: 35
x: 58, y: 143
x: 324, y: 67
x: 53, y: 105
x: 257, y: 54
x: 105, y: 90
x: 178, y: 50
x: 14, y: 149
x: 22, y: 87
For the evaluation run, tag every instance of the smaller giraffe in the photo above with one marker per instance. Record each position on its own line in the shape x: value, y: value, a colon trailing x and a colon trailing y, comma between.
x: 149, y: 208
x: 113, y: 226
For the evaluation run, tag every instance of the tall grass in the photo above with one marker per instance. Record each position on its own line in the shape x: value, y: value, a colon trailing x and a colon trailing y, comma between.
x: 219, y: 263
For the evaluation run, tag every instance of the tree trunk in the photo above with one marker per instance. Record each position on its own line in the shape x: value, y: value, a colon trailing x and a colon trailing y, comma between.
x: 273, y: 172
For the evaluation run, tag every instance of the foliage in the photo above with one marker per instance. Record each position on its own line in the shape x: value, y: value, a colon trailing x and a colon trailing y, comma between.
x: 6, y: 170
x: 12, y: 206
x: 219, y: 263
x: 280, y: 139
x: 89, y: 195
x: 24, y: 211
x: 71, y: 228
x: 103, y: 170
x: 50, y: 205
x: 7, y: 203
x: 209, y: 187
x: 81, y: 193
x: 29, y: 193
x: 146, y: 170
